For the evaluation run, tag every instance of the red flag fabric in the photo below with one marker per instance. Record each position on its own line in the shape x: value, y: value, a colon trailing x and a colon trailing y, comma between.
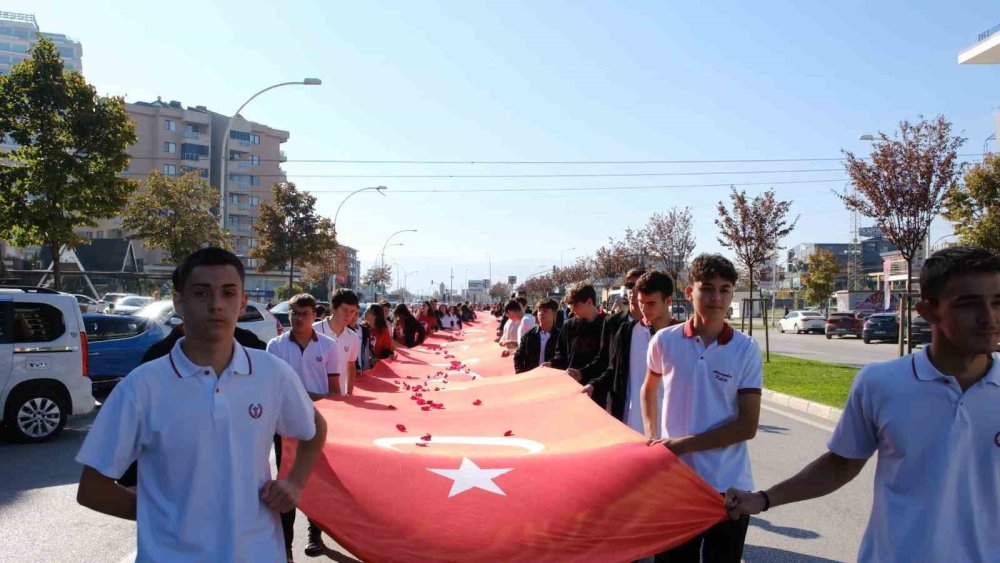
x: 444, y: 454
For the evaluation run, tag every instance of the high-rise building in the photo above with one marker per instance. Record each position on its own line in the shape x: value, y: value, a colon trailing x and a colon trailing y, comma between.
x: 353, y: 281
x: 19, y: 32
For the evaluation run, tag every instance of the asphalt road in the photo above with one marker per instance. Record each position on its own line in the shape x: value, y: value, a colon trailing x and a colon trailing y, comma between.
x: 847, y: 350
x: 41, y: 520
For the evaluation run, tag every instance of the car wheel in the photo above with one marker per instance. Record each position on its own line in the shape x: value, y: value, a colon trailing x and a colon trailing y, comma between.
x: 829, y: 336
x: 796, y: 329
x: 35, y: 415
x: 781, y: 328
x: 866, y: 340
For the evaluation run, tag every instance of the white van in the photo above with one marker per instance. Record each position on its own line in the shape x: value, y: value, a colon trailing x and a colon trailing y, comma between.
x: 43, y: 362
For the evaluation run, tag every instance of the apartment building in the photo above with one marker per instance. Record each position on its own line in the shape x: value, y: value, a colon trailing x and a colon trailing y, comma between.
x: 19, y: 32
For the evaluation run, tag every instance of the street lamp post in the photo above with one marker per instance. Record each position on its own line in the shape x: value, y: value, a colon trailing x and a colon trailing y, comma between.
x: 382, y: 252
x: 224, y: 157
x: 380, y: 189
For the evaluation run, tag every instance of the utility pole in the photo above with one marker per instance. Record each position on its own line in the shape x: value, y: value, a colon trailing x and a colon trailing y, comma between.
x: 451, y: 285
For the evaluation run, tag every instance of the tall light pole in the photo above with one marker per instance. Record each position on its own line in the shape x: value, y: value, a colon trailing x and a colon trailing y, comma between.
x: 987, y: 140
x: 561, y: 252
x: 224, y: 157
x: 382, y: 252
x: 380, y: 189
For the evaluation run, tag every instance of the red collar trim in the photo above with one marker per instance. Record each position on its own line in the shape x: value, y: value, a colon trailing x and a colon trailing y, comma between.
x: 725, y: 337
x: 314, y: 337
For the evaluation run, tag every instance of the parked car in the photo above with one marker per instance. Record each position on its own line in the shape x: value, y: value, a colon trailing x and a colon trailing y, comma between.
x: 881, y: 327
x: 256, y: 318
x: 920, y: 331
x: 108, y: 299
x: 43, y: 362
x: 116, y: 346
x: 846, y: 323
x: 802, y: 321
x: 679, y: 312
x: 128, y: 305
x: 87, y: 304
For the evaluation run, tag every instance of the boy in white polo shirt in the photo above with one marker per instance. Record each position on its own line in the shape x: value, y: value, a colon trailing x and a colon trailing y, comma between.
x: 200, y: 421
x: 314, y: 358
x: 343, y: 311
x: 934, y: 418
x: 711, y: 378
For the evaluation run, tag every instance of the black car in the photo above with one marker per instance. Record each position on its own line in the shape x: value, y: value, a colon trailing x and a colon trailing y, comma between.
x: 881, y: 327
x: 920, y: 331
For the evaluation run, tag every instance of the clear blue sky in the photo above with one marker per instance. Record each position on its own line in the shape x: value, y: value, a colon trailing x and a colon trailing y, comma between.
x: 475, y: 81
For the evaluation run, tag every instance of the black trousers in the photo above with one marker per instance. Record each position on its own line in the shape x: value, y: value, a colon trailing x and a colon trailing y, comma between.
x: 722, y: 543
x: 287, y: 518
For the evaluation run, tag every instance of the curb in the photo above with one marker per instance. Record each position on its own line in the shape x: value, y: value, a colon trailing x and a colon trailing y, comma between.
x: 819, y: 410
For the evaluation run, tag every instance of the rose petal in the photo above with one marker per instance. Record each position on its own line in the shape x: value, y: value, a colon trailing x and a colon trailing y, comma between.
x: 421, y: 401
x: 508, y: 433
x: 425, y: 408
x: 422, y: 444
x: 391, y: 407
x: 426, y: 437
x: 401, y: 428
x: 477, y: 402
x: 437, y: 388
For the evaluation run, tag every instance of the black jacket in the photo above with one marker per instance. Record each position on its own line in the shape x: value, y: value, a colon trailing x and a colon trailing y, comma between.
x: 579, y: 345
x: 611, y: 325
x: 526, y: 355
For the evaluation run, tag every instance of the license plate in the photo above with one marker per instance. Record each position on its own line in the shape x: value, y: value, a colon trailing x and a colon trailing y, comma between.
x: 880, y: 332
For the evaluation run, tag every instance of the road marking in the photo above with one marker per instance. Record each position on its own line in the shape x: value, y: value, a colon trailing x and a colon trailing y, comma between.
x: 797, y: 418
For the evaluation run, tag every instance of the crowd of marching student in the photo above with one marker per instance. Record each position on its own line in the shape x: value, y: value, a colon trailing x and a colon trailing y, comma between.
x: 693, y: 388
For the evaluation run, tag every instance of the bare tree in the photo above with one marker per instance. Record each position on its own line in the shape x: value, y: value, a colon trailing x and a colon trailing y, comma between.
x: 754, y: 228
x: 904, y: 185
x: 668, y: 237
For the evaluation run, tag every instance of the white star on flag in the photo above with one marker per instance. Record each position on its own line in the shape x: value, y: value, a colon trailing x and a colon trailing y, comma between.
x: 470, y: 476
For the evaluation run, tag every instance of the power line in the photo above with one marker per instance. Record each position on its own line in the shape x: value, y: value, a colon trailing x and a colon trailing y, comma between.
x: 470, y: 176
x: 586, y: 189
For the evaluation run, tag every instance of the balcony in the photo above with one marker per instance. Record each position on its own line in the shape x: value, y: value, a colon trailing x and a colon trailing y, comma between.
x: 985, y: 51
x: 193, y: 135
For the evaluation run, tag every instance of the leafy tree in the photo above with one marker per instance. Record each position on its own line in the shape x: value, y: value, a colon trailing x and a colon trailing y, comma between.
x: 500, y: 290
x: 821, y: 277
x: 753, y: 229
x: 290, y: 230
x: 377, y: 276
x: 71, y: 145
x: 581, y: 270
x: 287, y: 291
x: 332, y: 263
x: 904, y: 186
x: 402, y: 295
x: 974, y: 206
x: 173, y: 214
x: 668, y: 237
x: 617, y: 257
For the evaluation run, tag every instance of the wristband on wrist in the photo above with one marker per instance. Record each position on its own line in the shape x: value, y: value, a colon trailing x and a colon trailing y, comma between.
x: 767, y: 500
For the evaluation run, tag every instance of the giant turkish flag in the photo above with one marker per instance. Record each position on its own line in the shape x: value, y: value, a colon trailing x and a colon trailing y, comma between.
x: 444, y: 454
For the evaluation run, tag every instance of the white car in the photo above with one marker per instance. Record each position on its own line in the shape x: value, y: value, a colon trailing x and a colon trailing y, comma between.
x: 802, y: 321
x: 128, y: 305
x: 43, y: 362
x: 257, y: 319
x: 87, y: 304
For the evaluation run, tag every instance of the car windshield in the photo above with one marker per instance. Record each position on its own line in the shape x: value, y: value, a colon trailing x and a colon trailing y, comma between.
x: 158, y: 311
x: 133, y: 301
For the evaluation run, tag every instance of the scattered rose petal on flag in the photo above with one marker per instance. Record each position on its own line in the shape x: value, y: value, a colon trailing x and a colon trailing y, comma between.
x: 437, y: 388
x: 425, y: 408
x: 426, y: 437
x: 508, y: 433
x: 421, y: 401
x: 477, y: 402
x: 422, y: 444
x: 391, y: 407
x: 401, y: 428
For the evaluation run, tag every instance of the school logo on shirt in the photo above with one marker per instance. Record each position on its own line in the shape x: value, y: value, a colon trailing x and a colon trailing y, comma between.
x: 255, y: 410
x: 346, y: 347
x: 319, y: 358
x: 724, y: 377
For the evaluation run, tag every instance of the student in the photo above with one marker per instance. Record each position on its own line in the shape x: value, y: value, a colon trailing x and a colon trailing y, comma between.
x: 427, y: 317
x: 527, y: 318
x: 343, y: 311
x: 649, y: 310
x: 178, y: 414
x: 514, y: 314
x: 602, y: 362
x: 933, y: 417
x: 711, y: 377
x: 579, y: 340
x: 448, y: 321
x: 409, y: 331
x: 313, y: 357
x: 538, y: 345
x: 379, y: 334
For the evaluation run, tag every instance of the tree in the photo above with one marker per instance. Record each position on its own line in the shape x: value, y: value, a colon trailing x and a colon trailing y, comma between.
x: 668, y: 237
x: 377, y: 276
x: 500, y: 290
x: 173, y: 214
x: 616, y: 258
x: 581, y: 270
x: 71, y: 145
x: 974, y: 205
x: 287, y: 292
x: 753, y: 229
x: 332, y: 262
x: 904, y: 186
x: 290, y: 231
x: 821, y: 277
x: 402, y: 295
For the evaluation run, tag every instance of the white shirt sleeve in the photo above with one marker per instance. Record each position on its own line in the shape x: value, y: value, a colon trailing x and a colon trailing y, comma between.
x: 526, y: 324
x: 273, y: 347
x: 753, y: 369
x: 296, y: 419
x: 510, y: 331
x: 856, y: 434
x: 654, y: 355
x: 333, y: 360
x: 355, y: 347
x: 114, y: 442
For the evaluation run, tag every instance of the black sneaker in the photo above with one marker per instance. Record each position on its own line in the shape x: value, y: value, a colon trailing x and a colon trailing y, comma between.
x: 315, y: 547
x: 288, y: 555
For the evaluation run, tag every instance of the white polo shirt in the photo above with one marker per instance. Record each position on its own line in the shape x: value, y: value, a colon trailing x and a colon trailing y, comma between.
x: 937, y: 482
x: 510, y: 332
x: 203, y: 444
x: 700, y: 390
x: 527, y: 323
x: 348, y: 348
x: 314, y: 364
x: 641, y: 337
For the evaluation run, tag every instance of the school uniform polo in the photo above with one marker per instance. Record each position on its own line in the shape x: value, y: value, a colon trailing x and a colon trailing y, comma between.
x: 314, y: 364
x: 701, y: 386
x: 638, y: 346
x: 937, y: 481
x: 202, y: 443
x: 348, y: 348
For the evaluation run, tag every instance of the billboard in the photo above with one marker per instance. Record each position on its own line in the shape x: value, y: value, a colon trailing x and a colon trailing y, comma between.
x: 511, y: 280
x: 870, y: 232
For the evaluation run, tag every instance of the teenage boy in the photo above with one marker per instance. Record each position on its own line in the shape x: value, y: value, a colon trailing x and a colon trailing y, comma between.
x: 527, y: 318
x: 934, y: 419
x: 579, y: 340
x: 612, y: 323
x: 538, y: 345
x: 711, y: 377
x: 201, y: 421
x: 314, y: 358
x: 343, y: 311
x: 649, y: 304
x: 514, y: 314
